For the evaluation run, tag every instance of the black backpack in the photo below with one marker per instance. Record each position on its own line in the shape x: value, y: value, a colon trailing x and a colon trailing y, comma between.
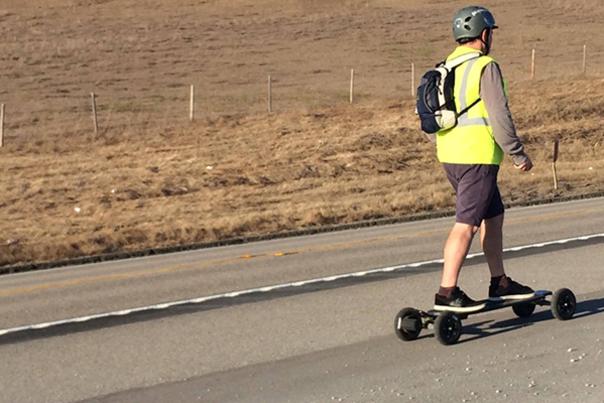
x: 435, y: 102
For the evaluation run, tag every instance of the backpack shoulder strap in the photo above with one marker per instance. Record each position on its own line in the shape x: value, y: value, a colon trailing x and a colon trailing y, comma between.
x: 467, y: 108
x: 453, y: 63
x: 458, y: 61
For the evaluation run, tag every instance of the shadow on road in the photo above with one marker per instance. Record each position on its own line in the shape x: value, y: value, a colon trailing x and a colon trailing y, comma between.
x: 490, y: 328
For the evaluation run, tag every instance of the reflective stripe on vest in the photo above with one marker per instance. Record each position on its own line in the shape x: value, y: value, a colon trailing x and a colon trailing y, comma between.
x: 471, y: 141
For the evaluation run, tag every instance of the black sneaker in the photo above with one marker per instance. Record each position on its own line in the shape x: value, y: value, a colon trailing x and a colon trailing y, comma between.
x: 458, y: 302
x: 509, y: 289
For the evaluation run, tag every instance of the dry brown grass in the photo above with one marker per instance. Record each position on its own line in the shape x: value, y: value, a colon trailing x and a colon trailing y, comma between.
x: 150, y: 179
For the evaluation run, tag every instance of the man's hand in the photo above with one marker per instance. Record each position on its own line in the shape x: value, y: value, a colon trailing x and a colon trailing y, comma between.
x: 526, y: 166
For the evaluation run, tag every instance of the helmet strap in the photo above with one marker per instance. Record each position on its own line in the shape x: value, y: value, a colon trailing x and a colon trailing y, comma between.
x: 487, y: 42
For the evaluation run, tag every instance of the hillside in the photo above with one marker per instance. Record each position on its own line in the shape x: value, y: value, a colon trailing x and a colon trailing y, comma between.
x: 150, y: 178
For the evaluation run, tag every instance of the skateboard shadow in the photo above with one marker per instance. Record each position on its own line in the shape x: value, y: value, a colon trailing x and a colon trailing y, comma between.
x: 488, y: 328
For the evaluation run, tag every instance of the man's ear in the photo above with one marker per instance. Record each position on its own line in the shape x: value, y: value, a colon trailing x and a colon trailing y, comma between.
x: 486, y: 40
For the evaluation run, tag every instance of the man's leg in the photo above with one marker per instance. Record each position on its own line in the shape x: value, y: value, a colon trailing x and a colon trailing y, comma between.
x: 467, y: 180
x: 491, y: 239
x: 456, y: 248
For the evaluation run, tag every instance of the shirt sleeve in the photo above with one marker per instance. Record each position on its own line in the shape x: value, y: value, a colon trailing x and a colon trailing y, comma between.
x: 500, y: 117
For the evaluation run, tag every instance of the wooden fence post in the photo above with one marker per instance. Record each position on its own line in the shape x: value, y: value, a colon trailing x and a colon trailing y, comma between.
x: 413, y: 80
x: 533, y: 64
x: 2, y: 125
x: 554, y: 159
x: 192, y: 104
x: 94, y: 117
x: 351, y: 86
x: 270, y: 95
x: 584, y: 59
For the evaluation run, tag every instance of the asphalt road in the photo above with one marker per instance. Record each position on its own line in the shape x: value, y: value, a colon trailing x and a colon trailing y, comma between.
x: 324, y: 341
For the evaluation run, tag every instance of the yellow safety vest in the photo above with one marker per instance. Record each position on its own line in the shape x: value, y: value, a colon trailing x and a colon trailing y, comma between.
x: 471, y: 141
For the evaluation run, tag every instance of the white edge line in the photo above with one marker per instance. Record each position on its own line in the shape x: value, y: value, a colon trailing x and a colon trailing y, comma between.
x: 266, y: 289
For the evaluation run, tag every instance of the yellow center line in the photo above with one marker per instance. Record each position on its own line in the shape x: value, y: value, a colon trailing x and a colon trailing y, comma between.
x: 9, y: 292
x: 53, y: 285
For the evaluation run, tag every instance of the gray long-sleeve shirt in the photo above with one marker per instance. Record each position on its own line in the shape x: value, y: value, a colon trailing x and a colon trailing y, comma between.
x: 496, y: 102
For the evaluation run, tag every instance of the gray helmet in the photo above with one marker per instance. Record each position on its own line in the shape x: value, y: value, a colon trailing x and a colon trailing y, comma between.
x: 469, y: 22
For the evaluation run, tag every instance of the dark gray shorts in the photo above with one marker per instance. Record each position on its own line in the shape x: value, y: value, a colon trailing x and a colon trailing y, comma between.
x: 478, y: 196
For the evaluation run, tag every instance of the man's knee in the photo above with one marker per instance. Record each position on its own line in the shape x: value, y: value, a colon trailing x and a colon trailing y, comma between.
x: 463, y: 229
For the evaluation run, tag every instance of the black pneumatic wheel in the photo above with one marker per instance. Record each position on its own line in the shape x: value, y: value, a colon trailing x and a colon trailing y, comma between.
x: 524, y: 310
x: 408, y: 324
x: 564, y: 304
x: 447, y: 328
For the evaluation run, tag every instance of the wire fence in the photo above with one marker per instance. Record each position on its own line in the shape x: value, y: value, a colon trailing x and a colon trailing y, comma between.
x: 68, y: 113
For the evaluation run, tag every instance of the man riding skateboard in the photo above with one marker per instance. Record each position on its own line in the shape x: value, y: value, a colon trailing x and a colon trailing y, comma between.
x: 471, y: 153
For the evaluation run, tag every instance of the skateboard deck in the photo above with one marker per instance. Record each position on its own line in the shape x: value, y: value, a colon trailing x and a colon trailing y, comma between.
x: 447, y: 326
x: 491, y: 305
